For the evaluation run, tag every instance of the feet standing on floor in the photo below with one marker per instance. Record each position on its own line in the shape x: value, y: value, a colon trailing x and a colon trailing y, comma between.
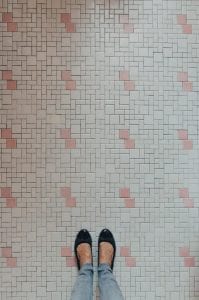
x: 106, y: 248
x: 105, y: 253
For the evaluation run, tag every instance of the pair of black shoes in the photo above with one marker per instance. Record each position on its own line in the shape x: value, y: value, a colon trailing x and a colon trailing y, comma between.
x: 84, y: 236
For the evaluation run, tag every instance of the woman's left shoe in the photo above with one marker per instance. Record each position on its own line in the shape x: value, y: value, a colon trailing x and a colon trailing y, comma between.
x: 83, y: 236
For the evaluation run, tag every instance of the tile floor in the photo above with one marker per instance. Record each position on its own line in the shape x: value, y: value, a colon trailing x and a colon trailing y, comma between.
x: 99, y: 127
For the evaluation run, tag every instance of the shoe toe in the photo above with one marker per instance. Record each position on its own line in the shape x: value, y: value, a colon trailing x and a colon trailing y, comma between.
x: 83, y: 234
x: 106, y: 233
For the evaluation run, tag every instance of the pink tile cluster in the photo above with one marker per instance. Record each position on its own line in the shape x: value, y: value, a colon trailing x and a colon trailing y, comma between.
x: 69, y: 200
x: 129, y: 260
x: 182, y: 20
x: 184, y: 194
x: 69, y: 25
x: 65, y: 133
x: 70, y: 259
x: 189, y: 261
x: 11, y: 84
x: 6, y: 192
x: 8, y: 18
x: 187, y: 144
x: 67, y: 77
x: 127, y: 27
x: 6, y: 252
x: 129, y: 143
x: 129, y: 85
x: 128, y: 200
x: 6, y: 133
x: 187, y: 85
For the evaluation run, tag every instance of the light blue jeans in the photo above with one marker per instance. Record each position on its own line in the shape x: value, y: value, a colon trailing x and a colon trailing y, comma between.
x: 108, y: 287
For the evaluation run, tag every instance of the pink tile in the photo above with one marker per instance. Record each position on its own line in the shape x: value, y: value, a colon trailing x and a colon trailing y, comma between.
x: 6, y: 252
x: 66, y: 251
x: 182, y: 134
x: 6, y: 192
x: 129, y: 144
x: 182, y: 19
x: 7, y: 75
x: 182, y: 76
x: 71, y: 261
x: 128, y: 28
x: 124, y: 134
x: 130, y: 261
x: 6, y: 133
x: 124, y: 192
x: 187, y: 28
x: 187, y: 86
x: 11, y: 85
x: 65, y: 192
x: 11, y: 202
x: 11, y: 144
x: 129, y: 85
x: 12, y: 27
x: 189, y: 261
x: 65, y: 18
x: 125, y: 251
x: 7, y: 17
x: 183, y: 193
x: 129, y: 202
x: 71, y: 85
x: 124, y: 19
x: 11, y: 262
x: 187, y: 145
x: 66, y: 75
x: 124, y: 75
x: 184, y: 251
x: 71, y: 202
x: 71, y: 143
x: 70, y: 27
x: 188, y: 202
x: 65, y: 133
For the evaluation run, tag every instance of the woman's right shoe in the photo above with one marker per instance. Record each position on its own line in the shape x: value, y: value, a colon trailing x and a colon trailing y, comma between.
x: 83, y: 236
x: 106, y: 236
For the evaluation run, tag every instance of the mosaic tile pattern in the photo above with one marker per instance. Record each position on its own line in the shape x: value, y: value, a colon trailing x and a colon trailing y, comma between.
x: 99, y: 127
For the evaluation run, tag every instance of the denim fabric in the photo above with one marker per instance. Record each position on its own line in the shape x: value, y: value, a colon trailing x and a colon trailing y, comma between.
x: 108, y: 287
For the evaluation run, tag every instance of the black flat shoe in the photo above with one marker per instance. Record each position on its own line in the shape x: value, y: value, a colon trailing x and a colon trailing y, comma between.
x: 83, y: 236
x: 107, y: 236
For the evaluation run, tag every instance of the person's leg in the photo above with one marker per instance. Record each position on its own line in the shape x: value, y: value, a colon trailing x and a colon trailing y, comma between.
x: 108, y: 287
x: 83, y: 288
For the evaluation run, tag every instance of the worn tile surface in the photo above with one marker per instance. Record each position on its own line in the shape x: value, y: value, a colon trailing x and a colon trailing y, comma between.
x: 99, y: 127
